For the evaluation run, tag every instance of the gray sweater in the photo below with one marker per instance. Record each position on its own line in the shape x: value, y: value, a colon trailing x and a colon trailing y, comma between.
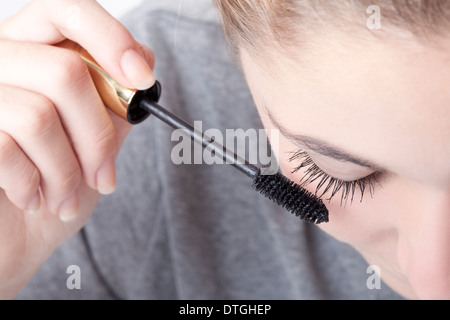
x: 196, y: 231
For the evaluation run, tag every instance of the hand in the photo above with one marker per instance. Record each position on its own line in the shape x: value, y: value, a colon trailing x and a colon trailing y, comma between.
x: 58, y: 143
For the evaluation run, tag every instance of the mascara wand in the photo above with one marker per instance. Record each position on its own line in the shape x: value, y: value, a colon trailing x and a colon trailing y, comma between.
x: 277, y: 187
x: 135, y: 106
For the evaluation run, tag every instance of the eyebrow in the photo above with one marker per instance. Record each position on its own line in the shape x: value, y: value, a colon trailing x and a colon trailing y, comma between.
x: 320, y: 146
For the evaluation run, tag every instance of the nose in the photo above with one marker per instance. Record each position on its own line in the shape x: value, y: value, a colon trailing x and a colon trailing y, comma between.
x: 424, y: 243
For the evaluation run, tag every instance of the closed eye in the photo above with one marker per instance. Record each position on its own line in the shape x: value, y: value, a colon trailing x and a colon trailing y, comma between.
x: 328, y: 184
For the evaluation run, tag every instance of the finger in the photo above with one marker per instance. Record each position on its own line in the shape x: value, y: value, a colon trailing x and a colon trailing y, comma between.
x: 33, y: 122
x: 63, y: 77
x: 87, y: 23
x: 19, y: 178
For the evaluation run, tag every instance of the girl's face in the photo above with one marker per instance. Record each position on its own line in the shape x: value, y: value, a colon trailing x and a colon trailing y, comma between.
x: 373, y: 117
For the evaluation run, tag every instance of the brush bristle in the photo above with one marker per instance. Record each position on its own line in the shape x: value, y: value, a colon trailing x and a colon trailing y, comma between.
x: 292, y: 197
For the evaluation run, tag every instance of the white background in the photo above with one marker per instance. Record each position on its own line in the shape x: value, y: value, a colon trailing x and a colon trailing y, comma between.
x: 115, y: 7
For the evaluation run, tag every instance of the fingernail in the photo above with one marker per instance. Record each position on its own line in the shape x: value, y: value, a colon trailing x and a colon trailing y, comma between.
x: 106, y: 178
x: 35, y: 204
x: 137, y: 70
x: 68, y: 210
x: 148, y: 55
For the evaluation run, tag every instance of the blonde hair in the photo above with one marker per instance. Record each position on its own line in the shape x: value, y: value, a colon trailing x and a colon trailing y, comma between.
x: 256, y: 24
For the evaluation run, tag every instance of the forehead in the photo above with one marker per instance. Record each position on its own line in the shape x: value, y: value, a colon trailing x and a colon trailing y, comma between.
x: 387, y: 102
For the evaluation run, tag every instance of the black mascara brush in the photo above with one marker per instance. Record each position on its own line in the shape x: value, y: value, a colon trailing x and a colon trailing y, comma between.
x: 136, y: 106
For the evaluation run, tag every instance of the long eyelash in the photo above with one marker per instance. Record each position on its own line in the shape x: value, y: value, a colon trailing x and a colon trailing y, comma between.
x: 328, y: 183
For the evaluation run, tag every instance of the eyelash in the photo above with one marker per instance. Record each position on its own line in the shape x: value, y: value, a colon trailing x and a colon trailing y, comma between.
x: 347, y: 188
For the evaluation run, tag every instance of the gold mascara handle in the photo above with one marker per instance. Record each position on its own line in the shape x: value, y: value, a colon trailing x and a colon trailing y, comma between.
x: 121, y: 100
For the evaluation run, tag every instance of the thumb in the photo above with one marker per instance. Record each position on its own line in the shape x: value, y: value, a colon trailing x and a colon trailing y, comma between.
x: 136, y: 64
